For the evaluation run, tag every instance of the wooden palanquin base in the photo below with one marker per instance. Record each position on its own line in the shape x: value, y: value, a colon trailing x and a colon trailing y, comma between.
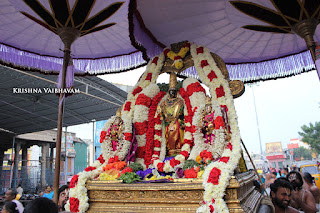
x: 184, y: 195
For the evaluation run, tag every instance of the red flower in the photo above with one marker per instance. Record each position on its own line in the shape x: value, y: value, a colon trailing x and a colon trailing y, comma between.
x: 141, y: 128
x: 190, y: 173
x: 211, y: 208
x: 220, y: 92
x: 165, y: 52
x: 206, y: 155
x: 177, y: 57
x: 195, y: 87
x: 73, y: 181
x: 204, y: 63
x: 100, y: 158
x: 127, y: 169
x: 219, y: 122
x: 155, y: 60
x: 136, y: 91
x: 149, y: 76
x: 187, y: 45
x: 213, y: 200
x: 127, y: 136
x: 74, y: 204
x: 190, y: 142
x: 224, y: 107
x: 229, y: 146
x: 174, y: 162
x: 113, y: 160
x: 160, y: 167
x: 212, y: 75
x: 140, y: 152
x: 143, y: 100
x: 127, y: 106
x: 199, y: 50
x: 224, y: 159
x: 103, y: 135
x: 157, y: 143
x: 185, y: 154
x: 214, y: 176
x: 89, y: 168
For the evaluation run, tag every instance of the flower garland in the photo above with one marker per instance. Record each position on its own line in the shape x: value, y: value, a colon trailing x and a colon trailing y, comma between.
x: 140, y: 118
x: 78, y: 201
x: 177, y: 58
x: 149, y: 76
x: 217, y: 174
x: 151, y: 131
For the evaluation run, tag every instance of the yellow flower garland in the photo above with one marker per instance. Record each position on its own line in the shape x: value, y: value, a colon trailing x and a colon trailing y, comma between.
x: 177, y: 58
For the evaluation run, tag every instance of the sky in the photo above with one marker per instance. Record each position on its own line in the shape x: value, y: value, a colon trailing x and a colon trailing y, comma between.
x: 282, y: 107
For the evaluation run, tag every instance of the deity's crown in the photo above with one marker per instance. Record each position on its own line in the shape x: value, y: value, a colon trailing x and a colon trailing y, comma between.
x: 173, y: 81
x: 118, y: 113
x: 208, y: 100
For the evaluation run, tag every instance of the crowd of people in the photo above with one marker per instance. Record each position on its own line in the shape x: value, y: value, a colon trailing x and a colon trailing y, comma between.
x: 290, y: 191
x: 38, y: 205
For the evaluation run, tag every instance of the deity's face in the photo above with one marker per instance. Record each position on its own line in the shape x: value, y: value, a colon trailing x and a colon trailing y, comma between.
x: 173, y: 93
x: 208, y: 108
x: 117, y: 121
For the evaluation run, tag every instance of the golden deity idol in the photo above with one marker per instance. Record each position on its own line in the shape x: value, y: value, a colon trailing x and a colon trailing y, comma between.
x: 171, y: 111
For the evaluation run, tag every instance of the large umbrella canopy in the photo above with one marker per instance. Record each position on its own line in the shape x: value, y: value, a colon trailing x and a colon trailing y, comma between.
x: 238, y: 31
x: 29, y: 35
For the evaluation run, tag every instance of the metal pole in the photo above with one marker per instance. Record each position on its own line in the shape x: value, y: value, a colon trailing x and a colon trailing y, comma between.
x: 59, y: 127
x: 94, y: 145
x: 254, y: 167
x: 11, y: 169
x: 255, y: 109
x: 68, y: 35
x: 66, y: 158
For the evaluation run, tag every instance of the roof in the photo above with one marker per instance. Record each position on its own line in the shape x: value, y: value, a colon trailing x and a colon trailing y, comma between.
x: 23, y: 112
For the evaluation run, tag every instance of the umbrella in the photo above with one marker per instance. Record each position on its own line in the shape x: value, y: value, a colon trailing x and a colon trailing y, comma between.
x: 242, y: 33
x: 40, y: 35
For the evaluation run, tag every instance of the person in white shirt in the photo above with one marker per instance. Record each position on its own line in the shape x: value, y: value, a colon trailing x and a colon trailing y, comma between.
x: 20, y: 190
x: 10, y: 195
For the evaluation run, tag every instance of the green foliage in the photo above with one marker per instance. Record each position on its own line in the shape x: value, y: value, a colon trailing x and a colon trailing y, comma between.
x: 136, y: 167
x: 165, y: 87
x: 311, y: 136
x: 302, y: 152
x: 188, y: 164
x: 129, y: 177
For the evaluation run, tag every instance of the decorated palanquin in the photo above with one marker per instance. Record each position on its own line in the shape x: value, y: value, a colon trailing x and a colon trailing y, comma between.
x: 182, y: 139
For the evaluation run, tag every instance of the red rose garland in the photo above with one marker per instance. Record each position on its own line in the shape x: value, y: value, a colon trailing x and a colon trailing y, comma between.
x: 74, y: 204
x: 73, y: 181
x: 150, y: 132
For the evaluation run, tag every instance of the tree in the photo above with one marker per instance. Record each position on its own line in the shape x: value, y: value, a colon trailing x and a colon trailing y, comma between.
x: 311, y: 136
x: 302, y: 152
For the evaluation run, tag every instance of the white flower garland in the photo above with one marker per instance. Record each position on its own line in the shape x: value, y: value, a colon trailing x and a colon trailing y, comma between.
x: 213, y: 195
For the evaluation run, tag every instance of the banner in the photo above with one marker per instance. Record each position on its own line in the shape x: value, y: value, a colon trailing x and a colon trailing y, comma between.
x: 273, y: 148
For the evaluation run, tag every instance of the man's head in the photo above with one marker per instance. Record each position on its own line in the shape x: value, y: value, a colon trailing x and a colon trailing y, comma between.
x: 63, y: 194
x: 308, y: 178
x: 10, y: 194
x: 295, y: 179
x: 274, y: 174
x: 281, y: 192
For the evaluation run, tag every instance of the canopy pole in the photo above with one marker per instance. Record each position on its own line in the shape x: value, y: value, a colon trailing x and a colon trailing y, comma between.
x: 306, y: 29
x: 68, y: 35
